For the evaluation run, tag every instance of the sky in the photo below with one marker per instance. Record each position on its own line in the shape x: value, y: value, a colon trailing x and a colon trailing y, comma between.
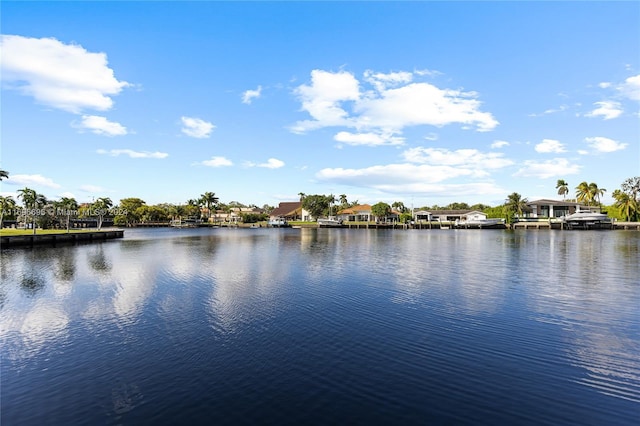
x: 426, y: 103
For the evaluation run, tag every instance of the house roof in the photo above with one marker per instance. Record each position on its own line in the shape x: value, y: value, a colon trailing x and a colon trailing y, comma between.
x: 548, y: 202
x: 287, y: 208
x: 360, y: 208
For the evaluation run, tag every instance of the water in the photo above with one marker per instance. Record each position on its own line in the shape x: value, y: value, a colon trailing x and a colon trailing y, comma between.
x: 328, y: 326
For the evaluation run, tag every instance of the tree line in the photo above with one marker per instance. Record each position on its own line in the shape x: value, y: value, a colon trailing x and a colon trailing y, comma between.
x: 36, y: 210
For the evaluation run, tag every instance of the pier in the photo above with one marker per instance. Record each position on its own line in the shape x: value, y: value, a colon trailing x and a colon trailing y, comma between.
x: 11, y: 241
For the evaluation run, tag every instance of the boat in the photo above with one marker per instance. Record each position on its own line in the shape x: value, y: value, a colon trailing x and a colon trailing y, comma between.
x: 185, y: 223
x: 493, y: 223
x: 278, y: 223
x: 586, y: 220
x: 329, y: 222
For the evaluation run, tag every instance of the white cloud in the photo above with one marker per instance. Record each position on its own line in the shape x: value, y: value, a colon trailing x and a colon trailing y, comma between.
x: 602, y: 144
x: 216, y: 162
x: 606, y: 109
x: 470, y: 159
x: 101, y: 126
x: 132, y: 153
x: 28, y: 180
x: 431, y: 136
x: 249, y: 95
x: 550, y: 145
x: 409, y: 178
x: 499, y: 144
x: 322, y: 99
x: 631, y: 88
x: 272, y: 163
x: 369, y: 139
x: 547, y: 169
x: 383, y: 81
x: 64, y: 76
x: 604, y: 85
x: 393, y: 102
x: 196, y: 127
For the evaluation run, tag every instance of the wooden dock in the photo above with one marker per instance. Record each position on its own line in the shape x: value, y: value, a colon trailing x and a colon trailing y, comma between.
x: 11, y: 241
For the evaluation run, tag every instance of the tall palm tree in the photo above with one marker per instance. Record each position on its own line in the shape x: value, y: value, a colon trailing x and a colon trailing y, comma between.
x: 7, y: 204
x: 4, y: 174
x: 28, y: 197
x: 626, y: 204
x: 563, y: 188
x: 515, y: 205
x: 343, y: 200
x: 596, y: 192
x: 100, y: 207
x: 583, y: 193
x: 68, y: 207
x: 210, y: 200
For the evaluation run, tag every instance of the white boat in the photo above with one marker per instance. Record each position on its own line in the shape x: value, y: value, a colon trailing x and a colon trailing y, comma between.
x: 329, y: 222
x: 185, y: 223
x: 585, y: 217
x: 586, y: 220
x: 278, y: 223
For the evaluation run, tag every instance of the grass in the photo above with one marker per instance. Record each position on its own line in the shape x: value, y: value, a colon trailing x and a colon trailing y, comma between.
x: 18, y: 232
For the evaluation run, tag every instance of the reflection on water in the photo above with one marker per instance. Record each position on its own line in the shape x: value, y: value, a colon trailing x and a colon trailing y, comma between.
x: 340, y: 318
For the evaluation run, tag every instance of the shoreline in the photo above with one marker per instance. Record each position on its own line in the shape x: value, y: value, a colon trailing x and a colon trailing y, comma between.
x: 14, y: 241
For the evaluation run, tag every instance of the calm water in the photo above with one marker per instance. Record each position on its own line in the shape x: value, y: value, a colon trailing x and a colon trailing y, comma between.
x: 267, y: 326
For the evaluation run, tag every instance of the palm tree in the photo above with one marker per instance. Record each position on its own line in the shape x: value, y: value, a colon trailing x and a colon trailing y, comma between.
x: 68, y: 206
x: 626, y: 204
x: 7, y: 204
x: 583, y: 193
x: 100, y: 207
x: 302, y: 195
x: 209, y: 199
x: 563, y: 188
x: 28, y: 197
x: 4, y: 174
x: 343, y: 200
x: 515, y: 205
x: 399, y: 206
x: 596, y: 192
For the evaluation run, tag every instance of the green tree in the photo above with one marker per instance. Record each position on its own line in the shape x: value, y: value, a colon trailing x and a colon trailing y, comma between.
x: 316, y: 205
x: 563, y: 188
x: 67, y: 206
x: 514, y: 206
x: 458, y: 206
x: 29, y: 198
x: 127, y: 210
x: 343, y: 200
x: 210, y: 200
x: 4, y: 174
x: 101, y: 208
x: 399, y: 206
x: 7, y: 207
x: 381, y: 210
x: 626, y: 204
x: 583, y: 193
x: 595, y: 192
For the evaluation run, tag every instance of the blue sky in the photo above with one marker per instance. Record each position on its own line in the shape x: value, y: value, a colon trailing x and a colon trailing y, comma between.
x: 420, y: 102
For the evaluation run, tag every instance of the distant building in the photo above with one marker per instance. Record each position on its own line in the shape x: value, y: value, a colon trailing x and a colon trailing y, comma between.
x: 545, y: 208
x: 290, y: 211
x: 448, y: 215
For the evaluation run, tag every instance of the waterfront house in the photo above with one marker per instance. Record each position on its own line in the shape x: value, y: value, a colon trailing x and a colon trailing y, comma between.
x: 291, y: 210
x: 448, y: 215
x: 545, y: 208
x: 359, y: 213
